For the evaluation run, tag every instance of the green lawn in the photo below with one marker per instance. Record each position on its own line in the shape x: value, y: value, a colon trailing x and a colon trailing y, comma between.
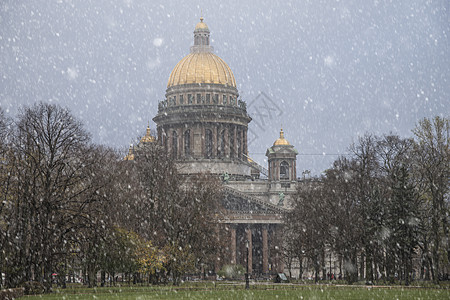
x: 256, y: 292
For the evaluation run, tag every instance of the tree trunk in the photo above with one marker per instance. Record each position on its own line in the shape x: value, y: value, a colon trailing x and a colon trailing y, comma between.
x: 361, y: 270
x: 323, y: 265
x: 103, y: 278
x: 369, y: 266
x: 92, y: 277
x: 300, y: 260
x: 290, y: 267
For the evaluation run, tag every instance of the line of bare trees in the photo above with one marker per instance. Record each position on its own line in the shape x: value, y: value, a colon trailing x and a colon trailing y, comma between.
x: 69, y: 205
x: 382, y: 212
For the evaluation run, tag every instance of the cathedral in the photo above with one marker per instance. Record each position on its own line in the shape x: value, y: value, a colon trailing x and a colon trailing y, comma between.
x: 203, y: 124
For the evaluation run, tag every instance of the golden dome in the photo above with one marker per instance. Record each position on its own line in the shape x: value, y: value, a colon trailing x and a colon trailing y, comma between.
x: 148, y: 138
x: 201, y: 67
x: 281, y: 141
x: 201, y: 26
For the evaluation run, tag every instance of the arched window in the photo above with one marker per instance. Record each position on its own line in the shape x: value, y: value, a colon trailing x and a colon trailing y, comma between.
x: 174, y: 144
x: 284, y: 170
x: 187, y: 143
x: 208, y: 143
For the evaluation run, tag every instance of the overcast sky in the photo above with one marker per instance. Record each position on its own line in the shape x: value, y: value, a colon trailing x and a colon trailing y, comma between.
x: 327, y: 71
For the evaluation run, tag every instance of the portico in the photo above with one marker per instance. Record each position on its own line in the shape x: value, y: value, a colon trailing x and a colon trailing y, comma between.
x: 259, y: 223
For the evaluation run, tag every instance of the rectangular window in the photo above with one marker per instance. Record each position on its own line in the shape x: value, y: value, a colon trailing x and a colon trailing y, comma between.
x: 181, y: 99
x: 224, y: 99
x: 199, y: 98
x: 208, y: 98
x: 216, y: 99
x: 190, y: 98
x: 174, y: 100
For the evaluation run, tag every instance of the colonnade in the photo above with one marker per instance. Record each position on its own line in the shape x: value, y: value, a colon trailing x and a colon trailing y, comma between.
x: 263, y: 256
x: 207, y: 140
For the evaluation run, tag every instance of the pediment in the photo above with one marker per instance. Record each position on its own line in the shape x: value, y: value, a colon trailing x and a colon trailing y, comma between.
x: 235, y: 202
x: 281, y: 150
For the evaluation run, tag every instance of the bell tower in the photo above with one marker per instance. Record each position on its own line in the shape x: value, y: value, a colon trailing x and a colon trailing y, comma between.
x: 282, y: 159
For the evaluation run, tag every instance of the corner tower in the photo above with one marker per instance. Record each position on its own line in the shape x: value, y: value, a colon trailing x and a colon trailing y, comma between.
x: 202, y: 122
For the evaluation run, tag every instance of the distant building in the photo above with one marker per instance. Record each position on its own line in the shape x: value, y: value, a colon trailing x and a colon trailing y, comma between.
x: 203, y: 124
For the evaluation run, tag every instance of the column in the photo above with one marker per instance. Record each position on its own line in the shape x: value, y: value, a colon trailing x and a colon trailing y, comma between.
x: 250, y: 260
x: 265, y: 251
x: 180, y: 152
x: 226, y: 151
x: 214, y: 141
x: 202, y: 141
x: 235, y: 140
x: 244, y: 142
x: 270, y: 164
x: 279, y: 237
x: 159, y: 135
x: 169, y: 141
x: 295, y: 170
x: 233, y: 244
x: 239, y: 142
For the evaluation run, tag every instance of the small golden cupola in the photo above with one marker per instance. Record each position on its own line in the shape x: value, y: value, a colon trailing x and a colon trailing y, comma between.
x: 282, y: 158
x: 281, y: 141
x: 148, y: 138
x: 201, y: 26
x: 130, y: 155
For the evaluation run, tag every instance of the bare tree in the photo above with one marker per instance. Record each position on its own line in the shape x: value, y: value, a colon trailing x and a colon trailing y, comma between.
x: 345, y: 216
x: 170, y: 210
x: 432, y: 158
x: 6, y: 186
x: 309, y: 217
x: 402, y: 208
x: 50, y: 148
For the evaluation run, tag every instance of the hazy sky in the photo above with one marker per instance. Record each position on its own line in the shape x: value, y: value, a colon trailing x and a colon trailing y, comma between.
x: 327, y: 71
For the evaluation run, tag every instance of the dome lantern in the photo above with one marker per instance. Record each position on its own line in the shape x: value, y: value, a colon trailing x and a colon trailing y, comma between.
x: 202, y: 66
x: 281, y: 141
x: 201, y: 38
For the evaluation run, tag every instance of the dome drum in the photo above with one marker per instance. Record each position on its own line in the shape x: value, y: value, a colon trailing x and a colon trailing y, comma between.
x: 202, y: 114
x: 205, y: 87
x: 195, y: 94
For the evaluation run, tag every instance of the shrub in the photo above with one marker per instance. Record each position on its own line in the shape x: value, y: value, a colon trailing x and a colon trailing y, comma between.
x: 232, y: 271
x: 33, y: 288
x: 10, y: 294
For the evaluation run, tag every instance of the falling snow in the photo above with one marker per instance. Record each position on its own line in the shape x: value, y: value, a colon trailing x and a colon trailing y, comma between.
x: 369, y: 66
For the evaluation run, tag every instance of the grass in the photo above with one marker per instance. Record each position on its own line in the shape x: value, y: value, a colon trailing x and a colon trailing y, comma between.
x: 236, y: 291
